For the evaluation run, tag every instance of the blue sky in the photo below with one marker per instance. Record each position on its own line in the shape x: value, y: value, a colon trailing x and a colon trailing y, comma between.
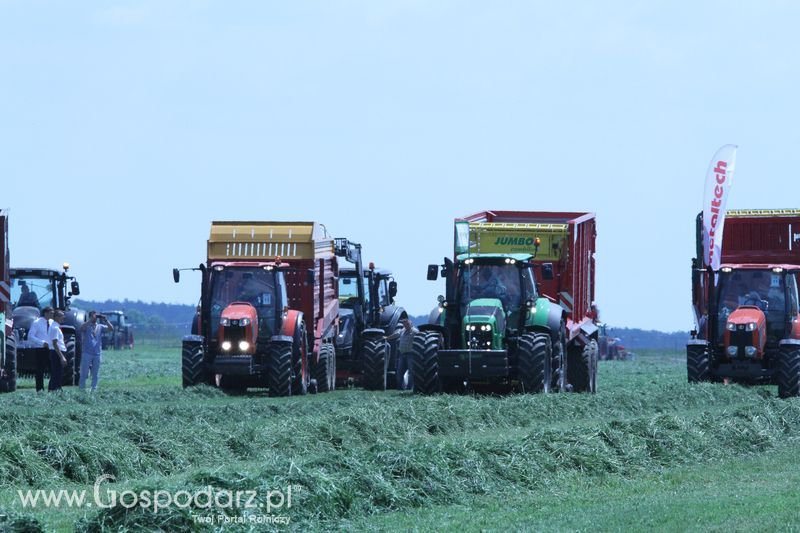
x: 125, y: 127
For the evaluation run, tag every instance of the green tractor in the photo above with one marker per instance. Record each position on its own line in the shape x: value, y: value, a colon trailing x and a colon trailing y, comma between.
x: 493, y: 329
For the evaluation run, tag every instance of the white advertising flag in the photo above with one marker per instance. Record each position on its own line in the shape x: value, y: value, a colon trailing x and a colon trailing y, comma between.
x: 718, y: 186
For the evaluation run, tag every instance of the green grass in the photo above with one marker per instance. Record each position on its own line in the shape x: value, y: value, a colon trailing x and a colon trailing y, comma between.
x: 647, y: 449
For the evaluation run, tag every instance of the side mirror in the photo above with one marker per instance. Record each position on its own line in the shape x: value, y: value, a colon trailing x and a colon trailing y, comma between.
x: 176, y: 275
x: 75, y: 288
x: 433, y: 272
x: 392, y: 289
x: 547, y: 271
x: 311, y: 276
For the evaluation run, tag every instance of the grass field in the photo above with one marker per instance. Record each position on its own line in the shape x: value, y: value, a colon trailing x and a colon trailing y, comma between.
x: 647, y: 451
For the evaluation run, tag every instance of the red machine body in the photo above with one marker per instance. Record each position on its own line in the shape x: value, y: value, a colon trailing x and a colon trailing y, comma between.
x: 571, y: 251
x: 239, y: 325
x: 741, y: 318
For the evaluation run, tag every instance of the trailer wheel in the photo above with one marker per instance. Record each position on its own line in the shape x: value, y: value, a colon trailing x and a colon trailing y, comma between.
x: 192, y: 368
x: 324, y: 370
x: 558, y: 360
x: 788, y: 372
x: 279, y: 368
x: 374, y: 364
x: 9, y: 382
x: 72, y: 371
x: 582, y: 368
x: 300, y: 379
x: 533, y: 360
x: 698, y: 364
x: 425, y: 363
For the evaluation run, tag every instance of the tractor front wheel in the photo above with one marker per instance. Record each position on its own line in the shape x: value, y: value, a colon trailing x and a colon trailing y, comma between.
x: 425, y: 363
x: 374, y: 360
x: 582, y: 368
x: 279, y: 368
x: 72, y: 371
x: 788, y: 372
x: 698, y: 364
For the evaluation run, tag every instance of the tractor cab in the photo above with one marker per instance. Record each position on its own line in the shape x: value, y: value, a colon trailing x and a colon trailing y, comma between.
x: 245, y: 306
x: 757, y: 308
x: 33, y: 289
x: 491, y: 294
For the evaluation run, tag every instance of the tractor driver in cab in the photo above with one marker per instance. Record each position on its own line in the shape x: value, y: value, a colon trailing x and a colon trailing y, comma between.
x: 491, y: 286
x: 28, y: 297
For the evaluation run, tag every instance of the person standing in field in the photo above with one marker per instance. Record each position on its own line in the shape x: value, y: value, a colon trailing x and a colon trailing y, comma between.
x: 405, y: 350
x: 39, y: 335
x: 58, y: 350
x: 92, y: 339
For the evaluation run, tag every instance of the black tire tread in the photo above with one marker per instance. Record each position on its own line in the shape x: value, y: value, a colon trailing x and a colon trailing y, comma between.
x: 373, y: 361
x: 279, y: 369
x: 533, y: 351
x: 192, y: 371
x: 787, y: 373
x: 698, y: 364
x: 582, y: 368
x: 425, y: 363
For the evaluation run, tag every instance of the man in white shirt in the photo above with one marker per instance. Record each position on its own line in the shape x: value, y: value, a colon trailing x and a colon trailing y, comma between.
x: 40, y: 335
x: 58, y: 350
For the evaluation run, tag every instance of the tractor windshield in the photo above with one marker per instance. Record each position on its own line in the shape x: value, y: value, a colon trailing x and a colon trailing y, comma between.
x: 32, y: 291
x: 775, y: 293
x: 505, y: 282
x: 261, y: 288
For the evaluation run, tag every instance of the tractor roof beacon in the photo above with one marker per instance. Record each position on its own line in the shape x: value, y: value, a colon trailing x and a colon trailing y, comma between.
x: 268, y: 310
x: 33, y: 289
x: 368, y: 313
x: 747, y: 315
x: 8, y: 352
x: 518, y: 306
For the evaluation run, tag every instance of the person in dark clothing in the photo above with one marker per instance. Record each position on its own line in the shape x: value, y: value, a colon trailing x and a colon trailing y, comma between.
x: 58, y: 350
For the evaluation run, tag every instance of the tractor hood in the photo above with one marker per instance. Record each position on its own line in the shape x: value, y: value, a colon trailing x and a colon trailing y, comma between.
x: 239, y: 311
x: 24, y: 317
x: 747, y: 314
x: 486, y: 311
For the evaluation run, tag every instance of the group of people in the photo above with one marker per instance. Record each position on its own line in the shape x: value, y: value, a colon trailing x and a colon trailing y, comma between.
x: 45, y: 332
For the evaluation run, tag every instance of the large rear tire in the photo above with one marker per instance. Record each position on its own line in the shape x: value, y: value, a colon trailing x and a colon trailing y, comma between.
x: 324, y: 370
x: 279, y: 368
x: 425, y: 363
x: 788, y: 372
x: 9, y: 382
x: 192, y: 367
x: 582, y: 368
x: 533, y: 361
x: 698, y: 364
x: 374, y: 360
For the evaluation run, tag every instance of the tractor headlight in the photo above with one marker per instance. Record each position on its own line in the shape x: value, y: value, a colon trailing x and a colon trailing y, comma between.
x: 225, y: 322
x: 751, y: 326
x: 732, y: 350
x: 244, y: 322
x: 244, y: 346
x: 731, y: 326
x: 226, y: 346
x: 488, y: 327
x: 750, y: 351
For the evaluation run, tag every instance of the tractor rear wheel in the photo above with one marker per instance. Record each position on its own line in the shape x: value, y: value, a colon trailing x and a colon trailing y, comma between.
x: 324, y: 370
x: 425, y: 363
x: 9, y: 382
x: 192, y: 370
x: 373, y: 361
x: 582, y: 368
x: 788, y: 372
x: 279, y: 369
x: 72, y: 371
x: 698, y: 364
x: 533, y: 362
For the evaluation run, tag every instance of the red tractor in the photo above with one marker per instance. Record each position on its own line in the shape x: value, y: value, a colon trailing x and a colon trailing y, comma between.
x: 262, y: 284
x: 747, y: 312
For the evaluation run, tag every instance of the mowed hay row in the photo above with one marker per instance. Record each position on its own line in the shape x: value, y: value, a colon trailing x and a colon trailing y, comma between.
x: 355, y: 453
x: 132, y: 435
